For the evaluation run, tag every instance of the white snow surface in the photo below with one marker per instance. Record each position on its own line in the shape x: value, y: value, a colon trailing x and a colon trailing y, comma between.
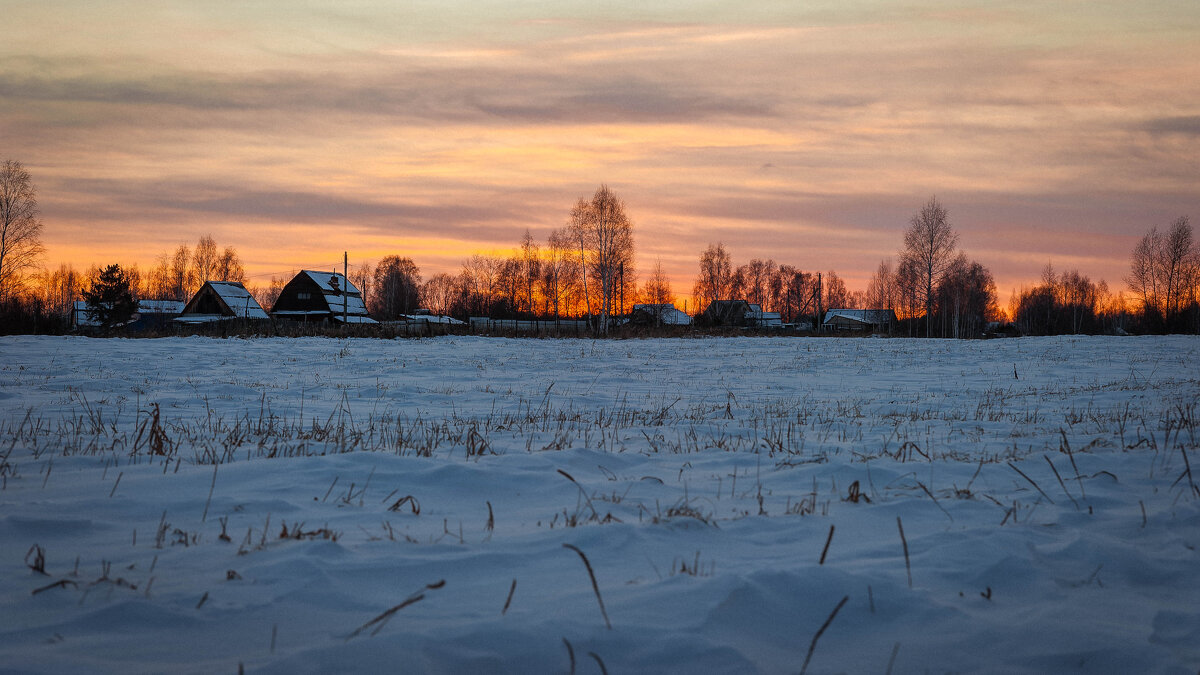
x: 703, y: 479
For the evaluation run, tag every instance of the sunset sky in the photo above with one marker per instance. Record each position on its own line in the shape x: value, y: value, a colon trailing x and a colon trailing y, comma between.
x: 806, y: 132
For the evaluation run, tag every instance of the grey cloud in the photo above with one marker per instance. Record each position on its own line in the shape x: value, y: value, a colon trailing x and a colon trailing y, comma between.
x: 1186, y: 125
x: 421, y: 95
x: 168, y: 200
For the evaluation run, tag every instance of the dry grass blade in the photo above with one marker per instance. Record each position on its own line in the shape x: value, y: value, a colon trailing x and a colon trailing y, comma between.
x: 411, y: 501
x: 39, y: 559
x: 595, y: 586
x: 892, y: 660
x: 827, y: 542
x: 1060, y: 481
x: 61, y: 583
x: 511, y: 589
x: 813, y: 645
x: 903, y: 540
x: 603, y: 670
x: 380, y: 621
x: 935, y: 501
x: 570, y: 655
x: 1031, y: 481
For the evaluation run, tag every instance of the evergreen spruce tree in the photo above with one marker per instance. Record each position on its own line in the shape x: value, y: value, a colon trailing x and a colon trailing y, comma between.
x: 110, y: 299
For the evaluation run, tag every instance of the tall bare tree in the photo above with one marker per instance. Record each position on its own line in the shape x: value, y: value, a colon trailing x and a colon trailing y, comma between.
x: 229, y: 266
x: 929, y: 246
x: 438, y: 293
x: 205, y: 259
x: 20, y: 228
x: 561, y: 271
x: 881, y: 292
x: 183, y: 278
x: 605, y: 235
x: 1164, y: 270
x: 61, y: 288
x: 716, y: 272
x: 530, y: 271
x: 362, y: 276
x: 396, y: 288
x: 658, y: 291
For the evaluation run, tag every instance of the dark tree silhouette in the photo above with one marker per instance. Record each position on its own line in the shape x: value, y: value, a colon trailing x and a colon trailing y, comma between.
x: 929, y: 250
x: 110, y: 299
x: 20, y: 228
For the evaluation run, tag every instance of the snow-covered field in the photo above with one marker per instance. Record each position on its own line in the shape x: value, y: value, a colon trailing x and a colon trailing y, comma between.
x: 745, y: 505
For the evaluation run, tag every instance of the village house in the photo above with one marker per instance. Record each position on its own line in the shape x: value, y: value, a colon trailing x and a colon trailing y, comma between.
x: 738, y: 313
x: 857, y: 320
x: 658, y: 315
x: 321, y: 296
x: 221, y: 301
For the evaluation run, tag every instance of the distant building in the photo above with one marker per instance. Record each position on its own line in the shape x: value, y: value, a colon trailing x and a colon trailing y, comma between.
x: 321, y: 296
x: 427, y: 316
x: 738, y: 313
x: 757, y: 318
x: 859, y: 320
x: 658, y: 315
x: 221, y: 301
x: 150, y: 314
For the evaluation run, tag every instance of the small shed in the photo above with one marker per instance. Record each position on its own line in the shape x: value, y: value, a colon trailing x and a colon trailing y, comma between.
x: 658, y: 314
x: 221, y: 301
x: 321, y: 296
x: 859, y: 319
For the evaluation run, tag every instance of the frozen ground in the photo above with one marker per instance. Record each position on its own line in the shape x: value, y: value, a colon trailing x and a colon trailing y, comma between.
x: 200, y: 505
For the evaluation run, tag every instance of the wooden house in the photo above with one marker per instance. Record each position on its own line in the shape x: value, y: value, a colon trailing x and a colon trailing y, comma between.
x: 857, y: 320
x: 221, y: 301
x: 321, y: 296
x: 738, y: 313
x: 658, y: 315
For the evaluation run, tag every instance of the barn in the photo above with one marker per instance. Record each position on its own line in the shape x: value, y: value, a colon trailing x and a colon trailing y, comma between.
x: 221, y: 301
x: 859, y: 319
x: 321, y: 296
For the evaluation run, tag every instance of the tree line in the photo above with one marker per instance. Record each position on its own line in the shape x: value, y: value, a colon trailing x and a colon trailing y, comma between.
x: 585, y: 268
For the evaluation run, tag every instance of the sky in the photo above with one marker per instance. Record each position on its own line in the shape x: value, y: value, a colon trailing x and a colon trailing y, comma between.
x: 804, y: 132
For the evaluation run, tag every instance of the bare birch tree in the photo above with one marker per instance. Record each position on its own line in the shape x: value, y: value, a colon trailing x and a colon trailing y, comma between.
x: 716, y: 272
x: 605, y: 237
x: 20, y: 228
x: 1164, y: 269
x: 929, y: 248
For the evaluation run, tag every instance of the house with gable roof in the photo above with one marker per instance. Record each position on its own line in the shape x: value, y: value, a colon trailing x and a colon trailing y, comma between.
x: 321, y: 296
x: 221, y: 301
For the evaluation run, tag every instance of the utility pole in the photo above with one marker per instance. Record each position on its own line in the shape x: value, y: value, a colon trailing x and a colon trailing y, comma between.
x: 346, y: 278
x: 819, y: 312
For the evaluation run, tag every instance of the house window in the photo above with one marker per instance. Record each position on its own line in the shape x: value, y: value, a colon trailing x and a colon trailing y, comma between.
x: 304, y: 296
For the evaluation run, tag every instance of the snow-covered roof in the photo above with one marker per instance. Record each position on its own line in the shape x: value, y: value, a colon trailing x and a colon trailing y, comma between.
x: 238, y: 299
x: 666, y: 312
x: 145, y: 307
x: 432, y: 318
x: 353, y: 304
x: 353, y: 318
x: 871, y: 316
x: 160, y: 306
x: 332, y: 282
x: 200, y: 318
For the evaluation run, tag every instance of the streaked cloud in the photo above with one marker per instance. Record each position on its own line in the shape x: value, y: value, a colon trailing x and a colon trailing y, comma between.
x: 806, y: 132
